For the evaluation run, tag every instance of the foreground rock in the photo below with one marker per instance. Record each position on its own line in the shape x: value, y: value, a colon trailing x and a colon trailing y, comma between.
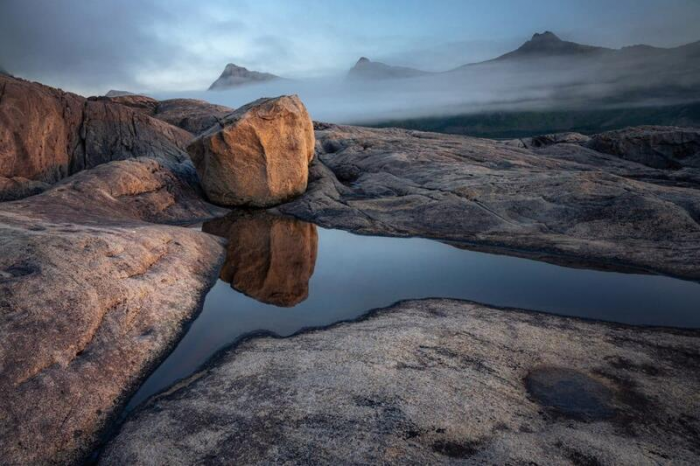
x: 257, y: 156
x: 47, y: 134
x: 92, y: 295
x: 433, y: 382
x: 562, y: 202
x: 191, y: 115
x: 268, y: 258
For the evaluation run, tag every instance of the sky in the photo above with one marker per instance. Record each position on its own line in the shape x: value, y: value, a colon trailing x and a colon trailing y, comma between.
x: 89, y: 47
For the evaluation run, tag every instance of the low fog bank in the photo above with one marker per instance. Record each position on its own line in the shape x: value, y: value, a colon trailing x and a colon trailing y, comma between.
x: 535, y: 85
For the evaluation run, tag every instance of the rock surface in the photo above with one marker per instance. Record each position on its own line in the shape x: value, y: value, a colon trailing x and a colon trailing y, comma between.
x: 563, y: 202
x: 545, y: 140
x: 257, y: 156
x: 47, y: 134
x: 235, y: 76
x: 92, y: 296
x: 269, y: 258
x: 433, y: 382
x: 117, y: 93
x: 192, y: 115
x: 654, y: 146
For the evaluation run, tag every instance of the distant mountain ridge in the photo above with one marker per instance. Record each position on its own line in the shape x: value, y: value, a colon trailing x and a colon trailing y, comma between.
x: 541, y: 46
x: 549, y: 44
x: 235, y: 76
x: 367, y: 69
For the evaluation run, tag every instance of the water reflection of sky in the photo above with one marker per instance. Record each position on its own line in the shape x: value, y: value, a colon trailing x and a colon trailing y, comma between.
x: 354, y: 274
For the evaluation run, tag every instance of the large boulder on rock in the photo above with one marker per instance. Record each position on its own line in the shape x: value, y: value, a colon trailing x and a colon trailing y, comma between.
x: 654, y: 146
x: 269, y: 258
x: 47, y: 134
x: 257, y: 156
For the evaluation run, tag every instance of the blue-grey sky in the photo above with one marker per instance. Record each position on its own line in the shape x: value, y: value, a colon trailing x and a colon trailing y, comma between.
x: 92, y: 46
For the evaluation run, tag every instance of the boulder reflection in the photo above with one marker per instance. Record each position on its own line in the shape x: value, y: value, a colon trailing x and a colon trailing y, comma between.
x: 269, y: 258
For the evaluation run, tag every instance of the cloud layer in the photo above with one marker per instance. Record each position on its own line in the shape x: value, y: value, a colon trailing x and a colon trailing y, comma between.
x: 92, y: 46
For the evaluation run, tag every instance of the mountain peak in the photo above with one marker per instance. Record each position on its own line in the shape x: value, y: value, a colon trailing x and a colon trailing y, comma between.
x: 232, y: 69
x: 548, y: 44
x: 546, y: 36
x: 367, y: 69
x: 234, y: 75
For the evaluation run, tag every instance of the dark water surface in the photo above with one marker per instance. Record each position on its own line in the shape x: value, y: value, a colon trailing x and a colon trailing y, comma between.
x: 282, y: 275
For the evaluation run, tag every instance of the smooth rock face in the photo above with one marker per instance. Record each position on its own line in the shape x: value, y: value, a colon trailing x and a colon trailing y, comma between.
x: 92, y: 296
x: 654, y: 146
x: 191, y: 115
x: 433, y: 382
x: 563, y: 203
x: 47, y: 134
x: 268, y: 258
x: 257, y: 156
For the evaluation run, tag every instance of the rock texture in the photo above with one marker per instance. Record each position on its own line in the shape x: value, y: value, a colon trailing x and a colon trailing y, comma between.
x: 192, y: 115
x: 92, y: 295
x: 47, y: 134
x: 268, y: 258
x: 235, y: 76
x: 654, y: 146
x: 545, y: 140
x: 563, y: 202
x: 117, y: 93
x: 433, y: 382
x: 257, y: 156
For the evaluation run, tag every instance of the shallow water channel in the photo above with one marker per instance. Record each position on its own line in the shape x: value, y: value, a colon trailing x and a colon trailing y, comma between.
x: 282, y: 275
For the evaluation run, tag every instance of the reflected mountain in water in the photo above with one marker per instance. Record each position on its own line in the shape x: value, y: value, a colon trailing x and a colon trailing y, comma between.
x: 269, y: 258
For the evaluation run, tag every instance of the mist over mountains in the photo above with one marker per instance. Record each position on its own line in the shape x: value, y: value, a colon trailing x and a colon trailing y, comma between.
x: 545, y: 74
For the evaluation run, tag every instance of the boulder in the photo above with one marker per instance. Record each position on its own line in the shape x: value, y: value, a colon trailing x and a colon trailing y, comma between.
x: 556, y: 138
x: 655, y: 146
x: 47, y: 134
x: 269, y: 258
x: 142, y: 103
x: 257, y: 156
x: 195, y: 116
x: 192, y: 115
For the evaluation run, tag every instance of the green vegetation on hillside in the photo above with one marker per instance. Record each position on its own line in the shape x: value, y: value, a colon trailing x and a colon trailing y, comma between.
x: 522, y: 124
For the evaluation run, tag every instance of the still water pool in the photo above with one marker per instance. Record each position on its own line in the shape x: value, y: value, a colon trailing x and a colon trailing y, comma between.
x: 282, y: 275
